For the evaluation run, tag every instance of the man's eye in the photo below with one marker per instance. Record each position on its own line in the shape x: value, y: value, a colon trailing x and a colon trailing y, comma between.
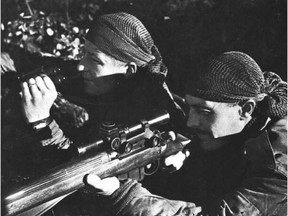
x: 96, y: 60
x: 205, y: 111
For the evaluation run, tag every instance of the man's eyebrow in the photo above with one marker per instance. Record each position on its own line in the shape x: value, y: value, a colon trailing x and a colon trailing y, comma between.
x: 201, y: 106
x: 95, y: 58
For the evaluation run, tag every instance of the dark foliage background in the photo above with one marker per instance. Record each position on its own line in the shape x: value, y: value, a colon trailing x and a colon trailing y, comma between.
x: 50, y: 32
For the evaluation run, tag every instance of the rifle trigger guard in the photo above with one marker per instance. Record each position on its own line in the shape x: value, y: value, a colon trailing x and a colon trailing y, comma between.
x: 152, y: 168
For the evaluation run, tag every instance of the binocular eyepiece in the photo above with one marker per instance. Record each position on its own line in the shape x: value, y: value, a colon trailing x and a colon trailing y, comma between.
x: 56, y: 74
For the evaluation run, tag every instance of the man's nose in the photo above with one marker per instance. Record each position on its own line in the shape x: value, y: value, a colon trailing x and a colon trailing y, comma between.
x: 193, y: 120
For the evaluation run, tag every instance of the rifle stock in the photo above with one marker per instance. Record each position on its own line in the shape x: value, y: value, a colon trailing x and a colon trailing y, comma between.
x: 68, y: 177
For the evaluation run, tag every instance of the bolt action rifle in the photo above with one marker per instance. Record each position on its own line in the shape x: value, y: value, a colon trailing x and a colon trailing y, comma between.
x: 119, y: 151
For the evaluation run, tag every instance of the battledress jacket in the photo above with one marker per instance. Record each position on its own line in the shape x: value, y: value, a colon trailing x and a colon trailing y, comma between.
x: 253, y: 182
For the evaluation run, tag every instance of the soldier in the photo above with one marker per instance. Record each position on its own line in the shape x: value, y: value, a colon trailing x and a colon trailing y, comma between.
x: 238, y: 164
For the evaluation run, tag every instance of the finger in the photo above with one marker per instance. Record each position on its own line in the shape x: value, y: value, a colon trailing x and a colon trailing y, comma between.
x: 187, y: 153
x: 25, y: 91
x: 40, y: 83
x: 109, y: 185
x: 105, y: 186
x: 31, y: 81
x: 197, y: 210
x: 48, y: 82
x: 169, y: 161
x: 94, y: 180
x: 33, y: 88
x: 174, y: 159
x: 110, y: 181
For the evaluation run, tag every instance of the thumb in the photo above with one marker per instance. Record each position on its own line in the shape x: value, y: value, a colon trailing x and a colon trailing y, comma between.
x: 105, y: 186
x: 94, y: 181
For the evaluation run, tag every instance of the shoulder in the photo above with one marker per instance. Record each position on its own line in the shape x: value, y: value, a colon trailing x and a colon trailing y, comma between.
x: 268, y: 151
x: 277, y: 132
x: 264, y: 188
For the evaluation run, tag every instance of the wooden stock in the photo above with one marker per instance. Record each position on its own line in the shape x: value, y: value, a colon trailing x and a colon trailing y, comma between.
x: 68, y: 177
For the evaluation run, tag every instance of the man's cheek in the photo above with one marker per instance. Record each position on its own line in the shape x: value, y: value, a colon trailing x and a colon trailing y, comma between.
x: 217, y: 131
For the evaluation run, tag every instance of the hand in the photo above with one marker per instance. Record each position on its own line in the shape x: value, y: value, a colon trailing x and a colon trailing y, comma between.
x: 177, y: 160
x: 7, y: 64
x: 106, y: 186
x: 38, y: 96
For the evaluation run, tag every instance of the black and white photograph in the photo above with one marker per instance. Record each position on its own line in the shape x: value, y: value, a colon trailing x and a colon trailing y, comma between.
x: 144, y: 107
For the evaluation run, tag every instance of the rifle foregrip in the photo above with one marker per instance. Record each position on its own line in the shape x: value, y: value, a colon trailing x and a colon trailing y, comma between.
x: 59, y: 181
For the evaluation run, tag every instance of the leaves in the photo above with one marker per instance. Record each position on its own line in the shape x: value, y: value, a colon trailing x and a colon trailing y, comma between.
x: 47, y: 35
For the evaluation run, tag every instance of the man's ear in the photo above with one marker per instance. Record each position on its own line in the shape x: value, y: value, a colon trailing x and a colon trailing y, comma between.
x: 131, y: 69
x: 247, y: 109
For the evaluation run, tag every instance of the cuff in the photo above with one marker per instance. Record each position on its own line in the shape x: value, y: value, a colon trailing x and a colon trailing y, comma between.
x: 38, y: 125
x: 121, y: 197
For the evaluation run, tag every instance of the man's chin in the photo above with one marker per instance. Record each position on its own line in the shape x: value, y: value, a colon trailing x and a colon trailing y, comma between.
x: 88, y: 91
x: 208, y: 143
x: 204, y: 137
x: 96, y: 91
x: 102, y: 85
x: 206, y: 146
x: 205, y: 142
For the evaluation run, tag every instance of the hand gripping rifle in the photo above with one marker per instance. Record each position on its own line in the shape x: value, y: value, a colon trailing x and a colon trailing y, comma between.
x: 120, y: 151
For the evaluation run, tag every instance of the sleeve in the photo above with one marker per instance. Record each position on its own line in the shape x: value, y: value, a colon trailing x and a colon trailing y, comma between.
x: 258, y: 196
x: 52, y: 135
x: 53, y: 147
x: 263, y: 196
x: 264, y: 189
x: 132, y: 199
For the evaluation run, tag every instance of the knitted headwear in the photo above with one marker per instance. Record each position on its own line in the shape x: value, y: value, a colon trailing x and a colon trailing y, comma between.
x: 234, y: 77
x: 124, y: 37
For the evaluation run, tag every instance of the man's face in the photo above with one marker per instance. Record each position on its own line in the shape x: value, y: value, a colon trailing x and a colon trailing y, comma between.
x: 212, y: 122
x: 97, y: 68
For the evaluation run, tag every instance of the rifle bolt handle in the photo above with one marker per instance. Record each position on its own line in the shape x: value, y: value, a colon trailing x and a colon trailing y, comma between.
x: 155, y: 141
